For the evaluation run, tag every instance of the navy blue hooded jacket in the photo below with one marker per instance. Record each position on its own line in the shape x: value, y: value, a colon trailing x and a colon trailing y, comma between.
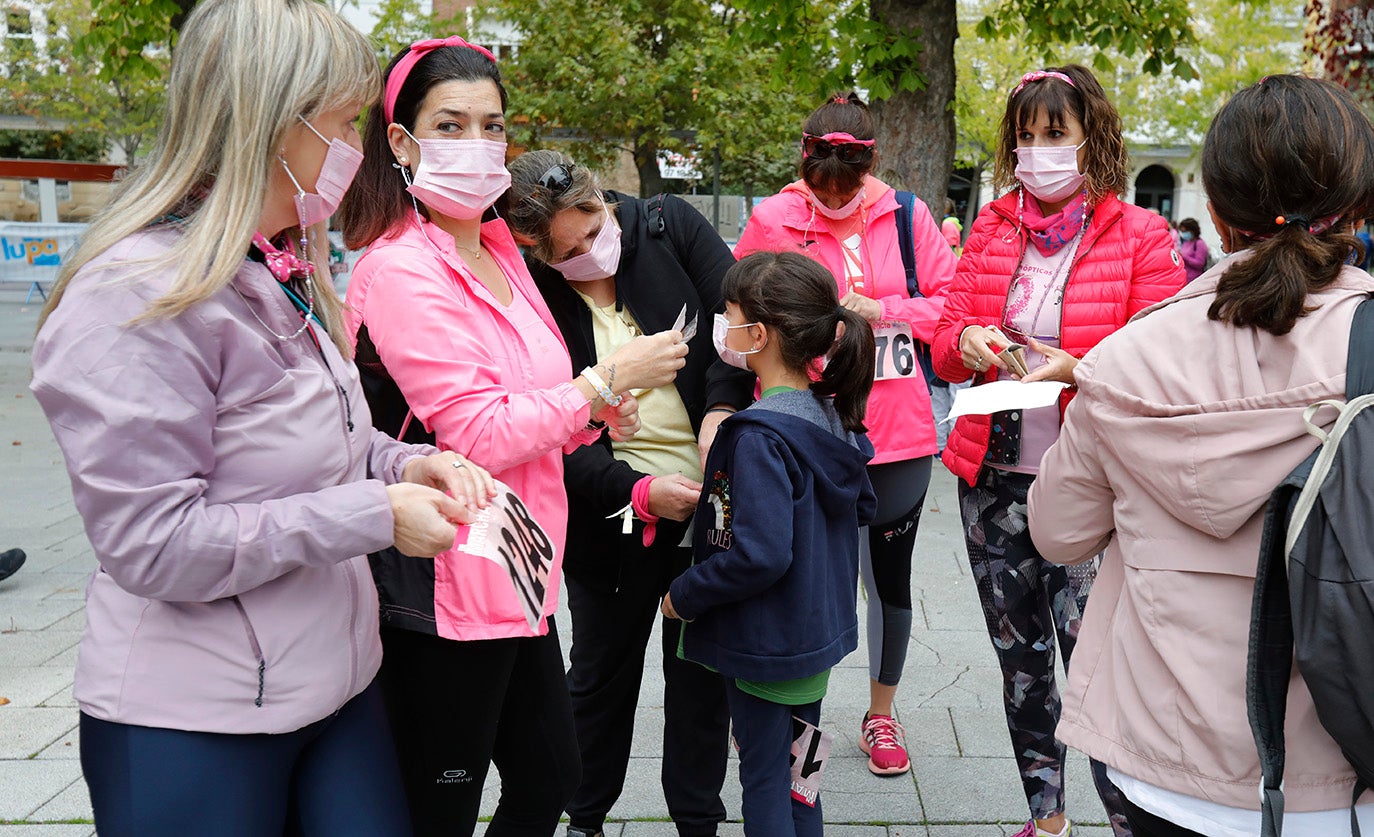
x: 771, y: 596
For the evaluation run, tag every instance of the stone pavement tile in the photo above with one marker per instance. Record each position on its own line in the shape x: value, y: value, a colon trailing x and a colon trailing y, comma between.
x: 851, y: 794
x: 648, y: 740
x: 66, y: 747
x: 70, y: 586
x: 24, y: 732
x: 73, y: 803
x: 30, y: 784
x: 76, y: 621
x: 962, y: 790
x: 28, y: 686
x: 929, y: 732
x: 936, y: 686
x: 47, y: 830
x: 951, y: 647
x: 37, y: 613
x: 953, y: 606
x: 65, y: 660
x: 63, y: 696
x: 982, y: 732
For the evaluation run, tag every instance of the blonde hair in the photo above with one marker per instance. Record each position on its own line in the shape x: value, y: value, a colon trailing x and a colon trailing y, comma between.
x: 242, y: 74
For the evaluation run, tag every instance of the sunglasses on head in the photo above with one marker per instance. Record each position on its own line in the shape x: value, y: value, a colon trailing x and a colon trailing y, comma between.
x: 557, y: 180
x: 843, y: 146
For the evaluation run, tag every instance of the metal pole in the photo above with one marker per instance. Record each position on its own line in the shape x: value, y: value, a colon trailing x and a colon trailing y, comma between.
x: 715, y: 192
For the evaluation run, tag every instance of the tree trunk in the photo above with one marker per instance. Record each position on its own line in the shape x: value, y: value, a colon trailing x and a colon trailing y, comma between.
x: 975, y: 191
x: 646, y: 161
x: 916, y: 128
x: 748, y: 199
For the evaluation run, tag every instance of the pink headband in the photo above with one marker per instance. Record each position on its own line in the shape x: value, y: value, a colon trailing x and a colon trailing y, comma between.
x: 837, y: 137
x: 1041, y: 74
x: 418, y: 50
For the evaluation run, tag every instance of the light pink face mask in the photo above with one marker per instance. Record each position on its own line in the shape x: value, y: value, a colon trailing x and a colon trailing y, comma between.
x: 602, y: 260
x: 1050, y: 172
x: 340, y: 165
x: 459, y: 178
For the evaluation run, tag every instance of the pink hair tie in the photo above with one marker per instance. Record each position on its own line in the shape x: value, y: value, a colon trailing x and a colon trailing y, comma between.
x: 1037, y: 75
x: 639, y: 499
x: 397, y: 79
x: 837, y: 137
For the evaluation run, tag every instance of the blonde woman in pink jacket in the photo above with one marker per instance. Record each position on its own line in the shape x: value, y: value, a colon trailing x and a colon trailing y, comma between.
x: 445, y: 314
x: 1184, y: 423
x: 845, y: 218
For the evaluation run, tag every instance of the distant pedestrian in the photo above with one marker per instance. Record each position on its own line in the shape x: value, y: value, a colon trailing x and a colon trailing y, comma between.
x: 192, y: 363
x: 770, y: 601
x: 1184, y: 424
x: 952, y: 228
x: 842, y: 216
x: 1192, y: 248
x: 1053, y: 266
x: 611, y: 267
x: 10, y: 562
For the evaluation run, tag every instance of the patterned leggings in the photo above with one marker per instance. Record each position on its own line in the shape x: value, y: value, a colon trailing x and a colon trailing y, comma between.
x: 1028, y: 603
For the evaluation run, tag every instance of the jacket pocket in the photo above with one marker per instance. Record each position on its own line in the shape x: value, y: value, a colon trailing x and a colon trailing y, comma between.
x: 255, y: 647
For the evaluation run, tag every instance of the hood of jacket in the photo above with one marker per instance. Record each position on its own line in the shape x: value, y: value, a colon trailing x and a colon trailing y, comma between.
x: 815, y: 437
x: 1218, y: 413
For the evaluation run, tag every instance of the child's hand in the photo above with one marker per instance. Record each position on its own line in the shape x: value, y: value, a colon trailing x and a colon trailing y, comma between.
x: 668, y: 607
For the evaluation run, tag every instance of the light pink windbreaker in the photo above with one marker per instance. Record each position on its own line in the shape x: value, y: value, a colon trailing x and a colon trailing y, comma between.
x: 468, y: 376
x: 899, y: 418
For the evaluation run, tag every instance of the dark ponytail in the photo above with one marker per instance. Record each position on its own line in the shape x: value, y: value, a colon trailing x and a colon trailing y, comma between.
x: 1288, y: 164
x: 796, y: 298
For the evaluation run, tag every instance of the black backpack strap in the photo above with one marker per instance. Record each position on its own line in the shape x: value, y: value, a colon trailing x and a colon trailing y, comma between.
x: 1270, y: 661
x: 906, y: 242
x: 1359, y: 364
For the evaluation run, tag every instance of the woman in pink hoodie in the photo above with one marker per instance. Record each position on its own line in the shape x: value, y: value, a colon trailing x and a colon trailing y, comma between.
x: 845, y: 218
x: 1185, y: 422
x: 448, y: 321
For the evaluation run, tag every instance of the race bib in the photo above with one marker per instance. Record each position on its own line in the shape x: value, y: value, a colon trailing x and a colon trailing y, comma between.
x: 896, y: 351
x: 810, y: 750
x: 506, y: 534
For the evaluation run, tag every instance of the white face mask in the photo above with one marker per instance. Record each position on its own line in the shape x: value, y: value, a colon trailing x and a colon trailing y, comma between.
x: 1050, y: 173
x: 841, y: 213
x: 459, y: 178
x: 720, y: 327
x: 601, y: 260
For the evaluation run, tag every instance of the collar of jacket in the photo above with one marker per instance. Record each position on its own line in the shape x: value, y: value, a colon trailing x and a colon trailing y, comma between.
x: 797, y: 215
x: 629, y: 213
x: 1105, y: 213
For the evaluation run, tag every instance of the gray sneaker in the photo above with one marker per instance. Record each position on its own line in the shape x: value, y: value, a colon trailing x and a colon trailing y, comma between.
x: 574, y: 831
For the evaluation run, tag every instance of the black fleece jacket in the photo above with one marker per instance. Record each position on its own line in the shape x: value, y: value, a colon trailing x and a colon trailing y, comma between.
x: 659, y: 272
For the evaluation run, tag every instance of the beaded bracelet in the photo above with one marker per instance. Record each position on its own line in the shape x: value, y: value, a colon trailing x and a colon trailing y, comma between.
x: 601, y: 389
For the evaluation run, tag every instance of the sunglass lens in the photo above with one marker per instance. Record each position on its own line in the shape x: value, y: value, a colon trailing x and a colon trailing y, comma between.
x: 557, y: 179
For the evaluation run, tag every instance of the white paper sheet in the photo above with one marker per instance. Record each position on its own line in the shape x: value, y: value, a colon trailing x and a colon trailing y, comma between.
x: 1005, y: 395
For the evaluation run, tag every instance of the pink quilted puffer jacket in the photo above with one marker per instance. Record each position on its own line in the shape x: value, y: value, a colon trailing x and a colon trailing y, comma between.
x: 1125, y: 264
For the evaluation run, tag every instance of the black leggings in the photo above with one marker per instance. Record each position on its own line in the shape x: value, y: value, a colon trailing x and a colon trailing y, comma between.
x: 337, y: 776
x: 885, y: 562
x: 1145, y: 824
x: 457, y: 707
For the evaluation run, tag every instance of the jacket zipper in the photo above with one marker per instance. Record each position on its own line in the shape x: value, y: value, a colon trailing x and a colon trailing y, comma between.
x: 257, y: 649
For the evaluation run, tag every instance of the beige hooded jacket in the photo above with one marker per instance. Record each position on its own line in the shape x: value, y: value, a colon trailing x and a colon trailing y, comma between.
x: 1181, y: 429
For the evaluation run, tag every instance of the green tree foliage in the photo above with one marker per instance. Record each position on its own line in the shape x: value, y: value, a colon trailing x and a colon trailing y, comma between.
x: 1336, y: 38
x: 604, y: 76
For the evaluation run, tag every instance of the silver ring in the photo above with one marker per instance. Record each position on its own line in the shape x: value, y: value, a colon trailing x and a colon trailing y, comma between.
x: 458, y: 463
x: 978, y: 365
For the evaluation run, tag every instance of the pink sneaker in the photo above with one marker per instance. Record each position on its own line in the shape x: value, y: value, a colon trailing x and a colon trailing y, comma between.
x: 884, y: 741
x: 1031, y: 830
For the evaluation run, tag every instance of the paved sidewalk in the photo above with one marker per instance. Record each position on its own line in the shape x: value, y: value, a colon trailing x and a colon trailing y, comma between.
x: 964, y: 782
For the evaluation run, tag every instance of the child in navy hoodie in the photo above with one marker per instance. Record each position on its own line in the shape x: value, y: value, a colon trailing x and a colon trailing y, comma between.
x: 771, y: 597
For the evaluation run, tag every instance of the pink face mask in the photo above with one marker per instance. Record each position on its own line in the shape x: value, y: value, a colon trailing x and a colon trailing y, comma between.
x: 1049, y: 172
x: 459, y: 178
x: 600, y: 261
x: 340, y: 165
x: 841, y: 213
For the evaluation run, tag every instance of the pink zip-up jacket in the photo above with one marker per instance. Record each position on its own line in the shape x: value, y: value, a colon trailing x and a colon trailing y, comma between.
x: 468, y: 376
x: 899, y: 418
x: 229, y: 503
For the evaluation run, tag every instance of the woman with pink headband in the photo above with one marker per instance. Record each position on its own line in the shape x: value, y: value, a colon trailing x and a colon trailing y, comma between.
x: 892, y: 266
x: 454, y: 339
x: 1049, y: 270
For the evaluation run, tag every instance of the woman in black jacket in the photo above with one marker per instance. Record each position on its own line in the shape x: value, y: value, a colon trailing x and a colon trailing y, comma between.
x: 612, y: 267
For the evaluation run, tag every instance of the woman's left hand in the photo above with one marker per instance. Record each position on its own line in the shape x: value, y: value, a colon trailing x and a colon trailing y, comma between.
x: 460, y: 478
x: 667, y: 607
x: 869, y: 309
x: 622, y: 422
x: 1059, y: 367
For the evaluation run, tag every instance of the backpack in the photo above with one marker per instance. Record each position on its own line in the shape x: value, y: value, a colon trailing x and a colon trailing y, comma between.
x: 906, y: 242
x: 1314, y: 588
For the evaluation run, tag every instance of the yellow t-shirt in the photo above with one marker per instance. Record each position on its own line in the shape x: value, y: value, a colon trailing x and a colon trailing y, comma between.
x: 665, y: 443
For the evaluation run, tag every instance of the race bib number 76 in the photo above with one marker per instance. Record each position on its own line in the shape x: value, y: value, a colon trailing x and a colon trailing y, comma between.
x: 896, y: 351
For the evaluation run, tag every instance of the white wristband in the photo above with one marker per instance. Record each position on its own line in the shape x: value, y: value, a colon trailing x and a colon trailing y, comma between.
x: 601, y: 389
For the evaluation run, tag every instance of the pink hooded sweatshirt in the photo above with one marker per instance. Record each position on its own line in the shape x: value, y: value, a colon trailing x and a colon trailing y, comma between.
x: 469, y: 375
x: 899, y: 415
